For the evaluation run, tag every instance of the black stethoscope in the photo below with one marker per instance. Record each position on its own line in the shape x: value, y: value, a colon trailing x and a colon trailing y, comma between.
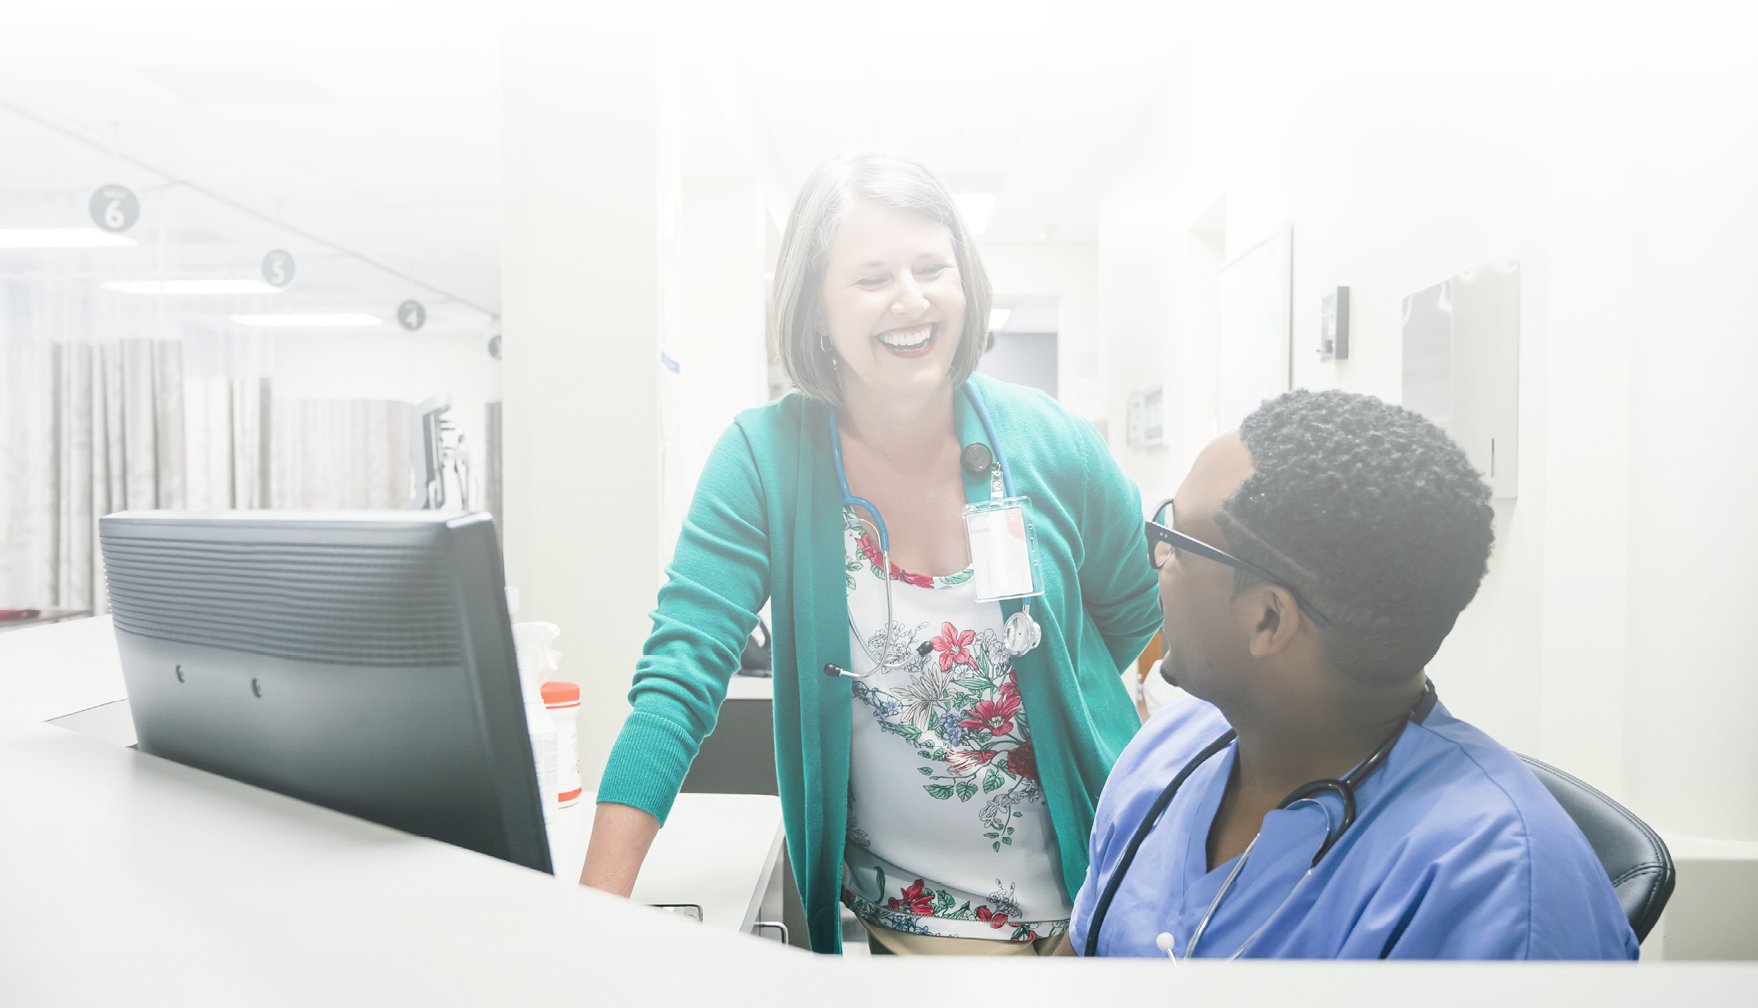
x: 1344, y: 789
x: 1020, y: 633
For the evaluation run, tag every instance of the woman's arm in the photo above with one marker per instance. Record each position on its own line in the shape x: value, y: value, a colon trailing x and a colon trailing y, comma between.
x: 621, y: 835
x: 1117, y: 582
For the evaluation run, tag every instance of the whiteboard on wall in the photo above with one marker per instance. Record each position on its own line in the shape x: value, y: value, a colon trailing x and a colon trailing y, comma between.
x: 1256, y: 330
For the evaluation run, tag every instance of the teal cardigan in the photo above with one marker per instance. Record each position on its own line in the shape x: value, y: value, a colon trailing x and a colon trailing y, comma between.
x: 766, y: 523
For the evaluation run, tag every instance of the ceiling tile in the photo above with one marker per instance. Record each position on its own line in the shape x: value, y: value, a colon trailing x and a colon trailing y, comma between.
x: 338, y: 37
x: 1062, y: 159
x: 899, y: 101
x: 296, y: 120
x: 1125, y: 20
x: 454, y: 148
x: 345, y: 150
x: 1050, y: 183
x: 475, y: 173
x: 470, y: 34
x: 779, y: 21
x: 85, y: 85
x: 804, y: 62
x: 948, y: 132
x: 34, y: 43
x: 1090, y: 97
x: 957, y: 58
x: 405, y: 175
x: 414, y: 81
x: 435, y: 116
x: 820, y: 134
x: 1108, y: 58
x: 1075, y: 132
x: 814, y: 101
x: 271, y: 180
x: 169, y: 39
x: 964, y: 160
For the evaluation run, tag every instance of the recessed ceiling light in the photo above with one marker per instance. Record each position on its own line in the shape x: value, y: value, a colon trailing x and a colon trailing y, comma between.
x: 44, y: 238
x: 308, y: 321
x: 245, y: 286
x: 998, y: 318
x: 976, y: 207
x: 960, y: 18
x: 83, y: 7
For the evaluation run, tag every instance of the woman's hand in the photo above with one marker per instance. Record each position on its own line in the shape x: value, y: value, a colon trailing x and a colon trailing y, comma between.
x: 621, y: 835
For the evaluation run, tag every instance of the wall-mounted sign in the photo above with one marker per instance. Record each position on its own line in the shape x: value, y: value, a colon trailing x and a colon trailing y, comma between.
x: 278, y: 267
x: 411, y: 315
x: 494, y: 346
x: 115, y: 208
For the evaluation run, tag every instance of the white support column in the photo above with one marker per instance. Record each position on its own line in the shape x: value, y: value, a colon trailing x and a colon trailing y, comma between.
x: 586, y: 176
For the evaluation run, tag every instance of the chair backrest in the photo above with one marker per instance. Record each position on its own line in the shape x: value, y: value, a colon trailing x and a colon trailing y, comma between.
x: 1635, y: 857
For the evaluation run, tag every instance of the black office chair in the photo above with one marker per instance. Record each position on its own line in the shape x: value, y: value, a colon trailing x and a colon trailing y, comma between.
x: 1635, y: 857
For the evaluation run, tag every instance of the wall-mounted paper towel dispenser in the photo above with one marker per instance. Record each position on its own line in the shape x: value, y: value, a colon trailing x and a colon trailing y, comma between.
x: 1462, y: 366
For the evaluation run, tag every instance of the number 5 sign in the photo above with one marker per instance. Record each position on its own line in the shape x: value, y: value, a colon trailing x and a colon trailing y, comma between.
x: 115, y: 208
x: 278, y: 267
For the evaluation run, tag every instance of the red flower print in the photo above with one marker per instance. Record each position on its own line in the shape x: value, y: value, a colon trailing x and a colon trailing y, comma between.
x: 871, y: 551
x: 1023, y: 762
x: 952, y: 647
x: 995, y: 920
x: 993, y: 716
x: 915, y: 899
x: 960, y: 760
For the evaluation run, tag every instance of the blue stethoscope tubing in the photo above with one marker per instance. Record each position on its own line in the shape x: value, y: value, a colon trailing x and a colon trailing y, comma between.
x: 850, y: 500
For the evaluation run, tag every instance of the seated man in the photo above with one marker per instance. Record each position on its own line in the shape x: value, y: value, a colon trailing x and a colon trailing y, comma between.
x: 1310, y: 798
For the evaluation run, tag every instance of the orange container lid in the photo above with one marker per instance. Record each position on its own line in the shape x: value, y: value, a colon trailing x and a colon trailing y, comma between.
x: 561, y: 692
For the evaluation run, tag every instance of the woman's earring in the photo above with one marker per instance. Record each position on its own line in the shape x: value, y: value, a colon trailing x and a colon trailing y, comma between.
x: 824, y: 345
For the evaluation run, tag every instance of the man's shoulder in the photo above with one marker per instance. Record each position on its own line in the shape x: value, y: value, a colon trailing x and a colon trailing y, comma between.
x: 1176, y: 732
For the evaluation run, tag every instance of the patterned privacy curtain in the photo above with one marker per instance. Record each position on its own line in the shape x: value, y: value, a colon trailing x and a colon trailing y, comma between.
x: 341, y: 453
x: 85, y: 429
x: 228, y: 424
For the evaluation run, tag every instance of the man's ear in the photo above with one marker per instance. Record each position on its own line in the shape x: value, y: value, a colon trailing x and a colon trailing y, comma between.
x: 1277, y: 619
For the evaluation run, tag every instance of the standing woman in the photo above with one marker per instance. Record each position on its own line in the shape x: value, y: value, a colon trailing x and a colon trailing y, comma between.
x: 937, y: 780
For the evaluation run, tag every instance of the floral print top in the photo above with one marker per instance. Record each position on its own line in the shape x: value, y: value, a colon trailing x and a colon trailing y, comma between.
x: 948, y: 831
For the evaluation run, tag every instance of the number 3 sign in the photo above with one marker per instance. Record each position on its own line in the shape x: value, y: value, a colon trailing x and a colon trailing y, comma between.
x: 115, y: 208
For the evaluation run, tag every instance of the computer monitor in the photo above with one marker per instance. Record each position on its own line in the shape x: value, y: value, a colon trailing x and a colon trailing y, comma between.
x: 360, y: 660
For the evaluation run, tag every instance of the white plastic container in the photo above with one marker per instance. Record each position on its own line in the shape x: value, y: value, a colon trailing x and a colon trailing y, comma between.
x: 528, y: 641
x: 563, y: 701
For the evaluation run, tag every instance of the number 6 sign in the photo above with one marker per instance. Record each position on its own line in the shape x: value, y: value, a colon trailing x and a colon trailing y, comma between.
x: 114, y: 208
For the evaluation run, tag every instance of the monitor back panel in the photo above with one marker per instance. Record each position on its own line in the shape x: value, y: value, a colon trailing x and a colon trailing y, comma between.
x: 366, y: 666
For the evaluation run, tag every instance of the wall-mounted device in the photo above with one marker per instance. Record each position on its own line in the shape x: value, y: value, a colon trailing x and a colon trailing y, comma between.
x: 1334, y: 325
x: 1462, y: 366
x: 1147, y: 417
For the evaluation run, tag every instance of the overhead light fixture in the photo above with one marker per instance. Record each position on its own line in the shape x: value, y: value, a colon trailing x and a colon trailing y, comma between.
x: 998, y: 318
x: 307, y: 321
x: 245, y: 286
x: 102, y: 7
x: 976, y: 208
x: 960, y: 18
x: 49, y: 238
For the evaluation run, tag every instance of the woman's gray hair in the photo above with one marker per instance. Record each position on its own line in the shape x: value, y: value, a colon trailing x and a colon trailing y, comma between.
x: 796, y: 301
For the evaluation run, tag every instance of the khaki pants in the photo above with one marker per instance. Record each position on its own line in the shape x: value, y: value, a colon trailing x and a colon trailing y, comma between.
x: 885, y: 941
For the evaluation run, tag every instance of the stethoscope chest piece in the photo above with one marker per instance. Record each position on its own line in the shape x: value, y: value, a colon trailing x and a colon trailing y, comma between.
x: 1020, y: 633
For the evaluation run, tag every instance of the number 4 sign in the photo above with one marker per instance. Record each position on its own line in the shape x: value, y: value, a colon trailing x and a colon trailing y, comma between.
x: 411, y: 315
x: 115, y: 208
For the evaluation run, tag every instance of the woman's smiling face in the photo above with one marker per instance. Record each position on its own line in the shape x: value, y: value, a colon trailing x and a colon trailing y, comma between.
x: 893, y: 302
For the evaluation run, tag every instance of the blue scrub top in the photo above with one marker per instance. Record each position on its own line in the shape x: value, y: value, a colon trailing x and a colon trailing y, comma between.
x: 1458, y: 852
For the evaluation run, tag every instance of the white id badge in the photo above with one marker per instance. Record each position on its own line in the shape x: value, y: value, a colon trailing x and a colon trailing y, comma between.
x: 1004, y: 549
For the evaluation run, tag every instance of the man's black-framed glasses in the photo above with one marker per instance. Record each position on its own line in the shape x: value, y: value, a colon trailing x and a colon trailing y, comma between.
x: 1164, y: 541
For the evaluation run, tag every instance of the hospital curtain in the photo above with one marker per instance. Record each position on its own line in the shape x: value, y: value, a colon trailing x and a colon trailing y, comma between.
x: 343, y: 453
x: 85, y: 429
x: 227, y: 422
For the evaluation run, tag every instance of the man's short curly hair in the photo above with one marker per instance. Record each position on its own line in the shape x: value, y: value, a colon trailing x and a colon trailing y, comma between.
x: 1373, y: 514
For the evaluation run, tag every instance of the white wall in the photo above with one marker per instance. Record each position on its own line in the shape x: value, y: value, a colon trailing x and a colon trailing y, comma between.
x: 1405, y: 143
x: 1068, y: 269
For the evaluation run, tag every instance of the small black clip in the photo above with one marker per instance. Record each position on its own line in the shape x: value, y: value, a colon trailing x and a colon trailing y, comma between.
x: 832, y: 669
x: 976, y: 458
x: 926, y: 647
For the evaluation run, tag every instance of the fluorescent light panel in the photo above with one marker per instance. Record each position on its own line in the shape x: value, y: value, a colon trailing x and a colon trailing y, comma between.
x: 48, y: 238
x: 102, y: 7
x: 244, y: 286
x: 960, y: 18
x: 976, y: 208
x: 307, y: 321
